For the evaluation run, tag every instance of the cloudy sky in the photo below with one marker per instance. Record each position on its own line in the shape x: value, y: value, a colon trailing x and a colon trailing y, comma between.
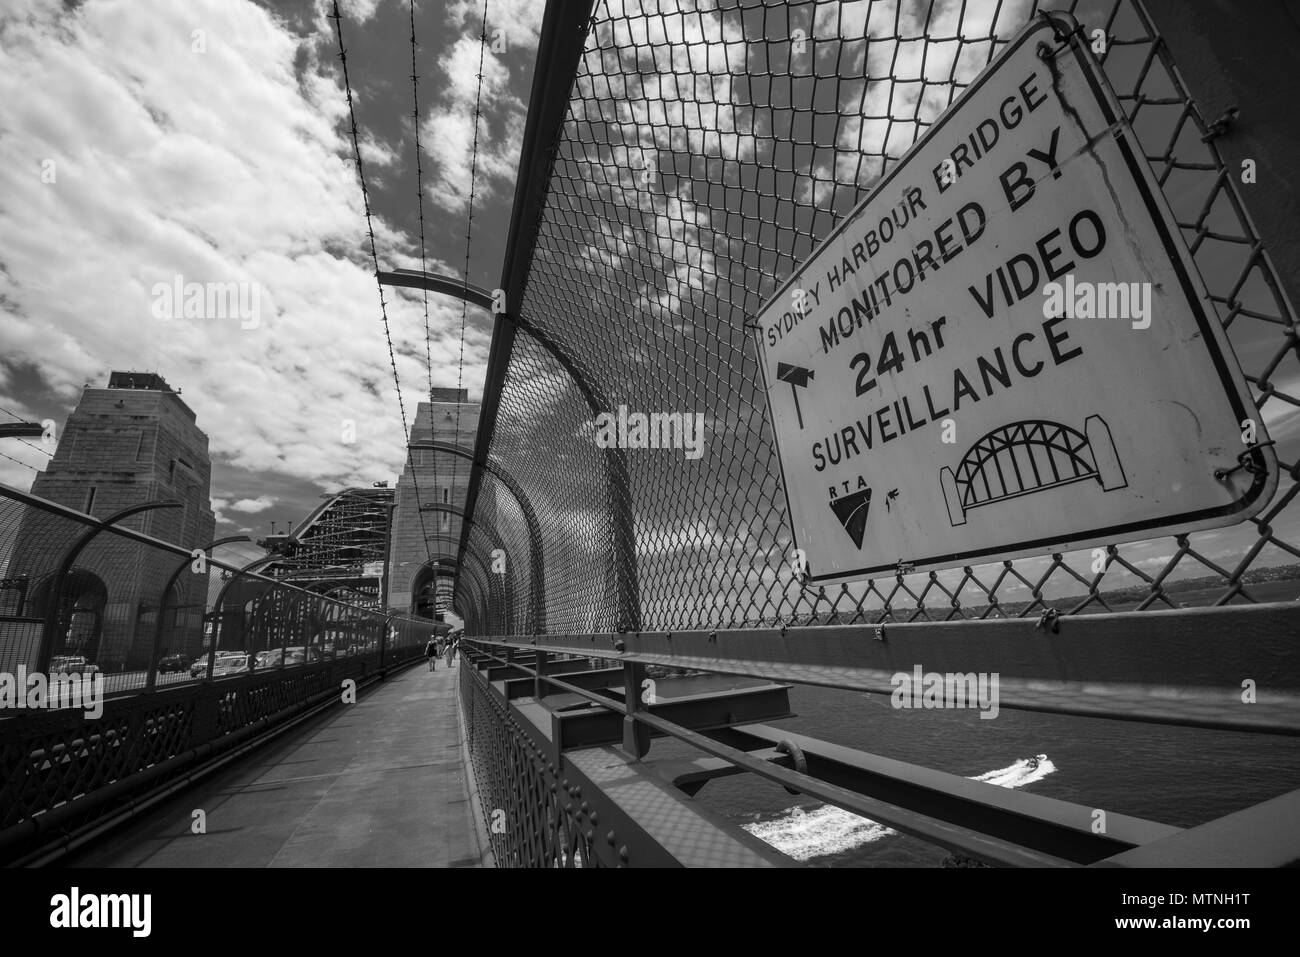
x: 144, y: 140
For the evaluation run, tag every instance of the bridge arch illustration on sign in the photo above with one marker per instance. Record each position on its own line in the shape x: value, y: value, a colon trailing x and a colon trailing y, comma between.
x: 1031, y: 456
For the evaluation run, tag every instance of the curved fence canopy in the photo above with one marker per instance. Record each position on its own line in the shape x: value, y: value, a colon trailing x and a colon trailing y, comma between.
x: 676, y: 169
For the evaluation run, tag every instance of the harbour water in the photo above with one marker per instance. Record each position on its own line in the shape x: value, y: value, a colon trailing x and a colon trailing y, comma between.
x: 1180, y: 776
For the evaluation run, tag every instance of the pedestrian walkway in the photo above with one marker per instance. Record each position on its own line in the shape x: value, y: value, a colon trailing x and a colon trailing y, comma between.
x: 376, y: 783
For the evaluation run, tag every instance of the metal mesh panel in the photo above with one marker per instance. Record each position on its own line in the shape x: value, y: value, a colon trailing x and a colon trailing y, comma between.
x: 703, y: 155
x: 539, y: 441
x: 77, y: 593
x: 510, y: 521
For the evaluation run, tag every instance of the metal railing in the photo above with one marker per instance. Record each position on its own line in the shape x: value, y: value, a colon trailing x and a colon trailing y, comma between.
x: 100, y: 625
x: 559, y: 747
x: 103, y: 596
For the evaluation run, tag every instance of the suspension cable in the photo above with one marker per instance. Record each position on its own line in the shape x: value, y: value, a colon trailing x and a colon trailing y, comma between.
x: 469, y: 232
x: 469, y: 219
x: 419, y: 195
x: 383, y: 306
x: 16, y: 462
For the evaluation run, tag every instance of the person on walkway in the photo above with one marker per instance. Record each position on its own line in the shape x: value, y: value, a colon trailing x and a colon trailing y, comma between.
x: 453, y: 643
x: 431, y: 652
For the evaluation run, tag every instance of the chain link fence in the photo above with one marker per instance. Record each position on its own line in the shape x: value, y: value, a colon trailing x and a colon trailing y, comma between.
x: 704, y: 153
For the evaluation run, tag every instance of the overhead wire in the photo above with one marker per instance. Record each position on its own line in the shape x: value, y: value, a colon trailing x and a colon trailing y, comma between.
x: 469, y: 233
x: 337, y: 17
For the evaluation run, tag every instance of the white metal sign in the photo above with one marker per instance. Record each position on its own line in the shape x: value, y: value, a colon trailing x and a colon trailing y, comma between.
x: 1006, y: 349
x: 372, y: 570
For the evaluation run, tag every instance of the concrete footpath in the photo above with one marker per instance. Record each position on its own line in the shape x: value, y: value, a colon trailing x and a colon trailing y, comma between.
x: 377, y: 783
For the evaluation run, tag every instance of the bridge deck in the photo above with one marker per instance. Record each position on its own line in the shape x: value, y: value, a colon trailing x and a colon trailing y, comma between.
x: 377, y: 783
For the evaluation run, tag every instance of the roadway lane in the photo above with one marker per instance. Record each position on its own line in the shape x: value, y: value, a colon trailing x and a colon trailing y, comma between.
x: 377, y: 783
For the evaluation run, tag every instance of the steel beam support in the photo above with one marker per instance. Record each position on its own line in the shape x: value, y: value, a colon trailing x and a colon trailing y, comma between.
x: 954, y: 837
x: 433, y: 282
x: 1059, y: 828
x: 580, y: 677
x: 1264, y: 835
x: 583, y: 727
x: 636, y: 737
x: 21, y: 430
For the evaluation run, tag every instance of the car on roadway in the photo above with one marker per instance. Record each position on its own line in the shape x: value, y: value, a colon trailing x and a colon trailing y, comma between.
x: 174, y: 663
x: 200, y: 667
x: 294, y: 655
x: 230, y: 665
x: 72, y: 665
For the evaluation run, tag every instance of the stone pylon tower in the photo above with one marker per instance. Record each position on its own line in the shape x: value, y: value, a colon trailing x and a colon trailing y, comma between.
x: 443, y: 480
x: 134, y: 441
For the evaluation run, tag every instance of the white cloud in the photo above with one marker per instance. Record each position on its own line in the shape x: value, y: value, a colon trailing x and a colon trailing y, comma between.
x: 520, y: 21
x: 447, y: 132
x: 447, y: 135
x: 252, y: 505
x: 224, y: 166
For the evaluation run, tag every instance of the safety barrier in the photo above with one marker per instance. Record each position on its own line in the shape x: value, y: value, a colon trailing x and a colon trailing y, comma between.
x: 90, y: 608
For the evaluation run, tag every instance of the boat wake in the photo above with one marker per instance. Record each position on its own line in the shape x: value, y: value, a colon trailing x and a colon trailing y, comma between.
x: 806, y: 833
x: 1025, y: 771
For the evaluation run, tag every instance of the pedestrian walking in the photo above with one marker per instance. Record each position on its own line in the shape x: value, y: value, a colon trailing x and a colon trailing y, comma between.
x: 431, y: 652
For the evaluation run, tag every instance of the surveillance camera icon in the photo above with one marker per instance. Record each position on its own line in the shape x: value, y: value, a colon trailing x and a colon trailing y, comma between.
x: 798, y: 377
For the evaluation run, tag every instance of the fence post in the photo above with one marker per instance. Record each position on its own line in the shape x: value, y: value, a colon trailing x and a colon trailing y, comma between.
x: 539, y: 686
x: 636, y: 736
